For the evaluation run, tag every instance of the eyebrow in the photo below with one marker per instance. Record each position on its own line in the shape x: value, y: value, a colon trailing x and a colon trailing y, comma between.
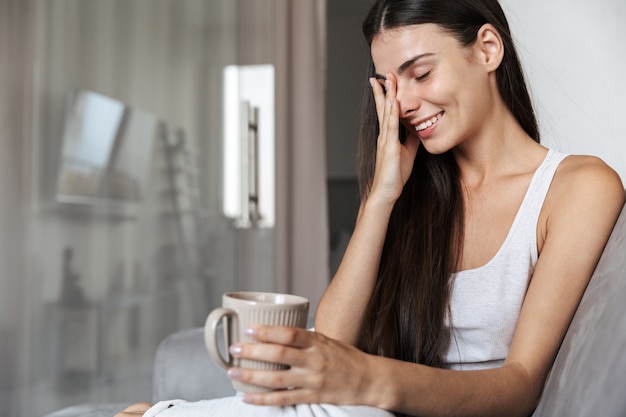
x: 405, y: 65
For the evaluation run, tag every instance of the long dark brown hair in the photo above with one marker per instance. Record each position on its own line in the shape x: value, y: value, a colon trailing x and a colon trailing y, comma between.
x: 405, y: 318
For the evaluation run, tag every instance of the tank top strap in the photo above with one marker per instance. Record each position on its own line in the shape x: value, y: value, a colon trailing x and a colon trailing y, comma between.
x: 536, y: 195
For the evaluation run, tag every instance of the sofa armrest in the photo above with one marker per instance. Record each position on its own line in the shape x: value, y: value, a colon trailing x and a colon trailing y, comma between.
x: 589, y: 373
x: 183, y: 369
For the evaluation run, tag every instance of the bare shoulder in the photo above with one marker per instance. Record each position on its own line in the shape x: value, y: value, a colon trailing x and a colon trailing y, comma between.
x: 586, y: 181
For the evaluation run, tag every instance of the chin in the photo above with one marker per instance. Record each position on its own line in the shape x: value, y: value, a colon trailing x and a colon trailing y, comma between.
x: 435, y: 147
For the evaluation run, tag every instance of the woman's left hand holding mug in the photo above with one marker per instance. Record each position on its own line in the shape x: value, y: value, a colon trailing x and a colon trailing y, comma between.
x: 322, y: 370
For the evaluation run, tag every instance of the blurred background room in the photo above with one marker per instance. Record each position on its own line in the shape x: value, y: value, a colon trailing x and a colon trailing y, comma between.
x: 157, y: 153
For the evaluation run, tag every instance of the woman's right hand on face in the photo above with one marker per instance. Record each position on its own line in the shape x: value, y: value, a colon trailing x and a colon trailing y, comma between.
x: 394, y: 160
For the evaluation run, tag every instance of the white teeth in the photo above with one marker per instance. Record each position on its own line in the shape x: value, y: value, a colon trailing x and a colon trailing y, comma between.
x: 427, y: 123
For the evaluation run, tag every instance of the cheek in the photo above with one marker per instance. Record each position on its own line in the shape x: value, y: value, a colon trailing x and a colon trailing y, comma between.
x: 455, y: 89
x: 449, y: 84
x: 441, y: 91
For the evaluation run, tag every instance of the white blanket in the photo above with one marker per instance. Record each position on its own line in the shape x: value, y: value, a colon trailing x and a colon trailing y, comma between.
x: 234, y: 406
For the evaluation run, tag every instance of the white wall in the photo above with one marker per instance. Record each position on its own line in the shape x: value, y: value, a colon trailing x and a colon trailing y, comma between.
x: 574, y: 55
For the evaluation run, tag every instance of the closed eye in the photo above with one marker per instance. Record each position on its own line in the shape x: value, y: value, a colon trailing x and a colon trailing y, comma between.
x: 423, y: 76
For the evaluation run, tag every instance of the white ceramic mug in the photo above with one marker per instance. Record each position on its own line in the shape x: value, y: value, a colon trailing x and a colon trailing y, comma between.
x: 242, y: 309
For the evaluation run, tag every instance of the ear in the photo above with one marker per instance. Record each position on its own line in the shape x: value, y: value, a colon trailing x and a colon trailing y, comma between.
x: 489, y: 47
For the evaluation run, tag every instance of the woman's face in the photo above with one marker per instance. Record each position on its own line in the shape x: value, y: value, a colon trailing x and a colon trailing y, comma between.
x: 443, y: 92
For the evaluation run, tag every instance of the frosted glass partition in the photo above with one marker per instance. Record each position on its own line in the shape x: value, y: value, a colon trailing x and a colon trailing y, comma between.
x: 128, y: 182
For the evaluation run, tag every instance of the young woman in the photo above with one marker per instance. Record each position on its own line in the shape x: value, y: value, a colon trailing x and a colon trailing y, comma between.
x: 473, y: 244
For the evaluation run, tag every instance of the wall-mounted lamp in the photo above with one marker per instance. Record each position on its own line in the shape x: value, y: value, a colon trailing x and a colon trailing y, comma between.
x: 249, y: 145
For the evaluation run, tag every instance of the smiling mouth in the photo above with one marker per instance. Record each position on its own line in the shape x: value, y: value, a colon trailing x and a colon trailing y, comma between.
x: 428, y: 123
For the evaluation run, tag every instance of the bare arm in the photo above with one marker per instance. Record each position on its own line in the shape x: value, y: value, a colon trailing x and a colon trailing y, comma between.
x: 340, y: 312
x: 341, y: 309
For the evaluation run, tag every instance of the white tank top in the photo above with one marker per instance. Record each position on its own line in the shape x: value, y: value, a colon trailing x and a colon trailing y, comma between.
x: 486, y: 301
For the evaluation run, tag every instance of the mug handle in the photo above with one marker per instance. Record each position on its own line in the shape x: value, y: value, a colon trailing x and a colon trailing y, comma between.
x: 210, y: 335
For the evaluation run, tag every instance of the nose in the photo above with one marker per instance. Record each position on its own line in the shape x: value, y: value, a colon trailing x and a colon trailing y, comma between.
x: 408, y: 100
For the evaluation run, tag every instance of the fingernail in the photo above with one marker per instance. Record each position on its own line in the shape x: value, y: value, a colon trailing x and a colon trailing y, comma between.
x: 250, y: 331
x: 387, y: 83
x: 234, y: 373
x: 371, y: 82
x: 249, y: 399
x: 235, y: 350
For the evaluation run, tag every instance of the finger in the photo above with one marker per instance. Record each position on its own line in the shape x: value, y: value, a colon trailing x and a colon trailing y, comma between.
x: 391, y: 85
x: 270, y: 352
x: 277, y: 380
x: 379, y: 98
x: 392, y: 114
x: 288, y: 336
x: 389, y: 126
x: 384, y: 122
